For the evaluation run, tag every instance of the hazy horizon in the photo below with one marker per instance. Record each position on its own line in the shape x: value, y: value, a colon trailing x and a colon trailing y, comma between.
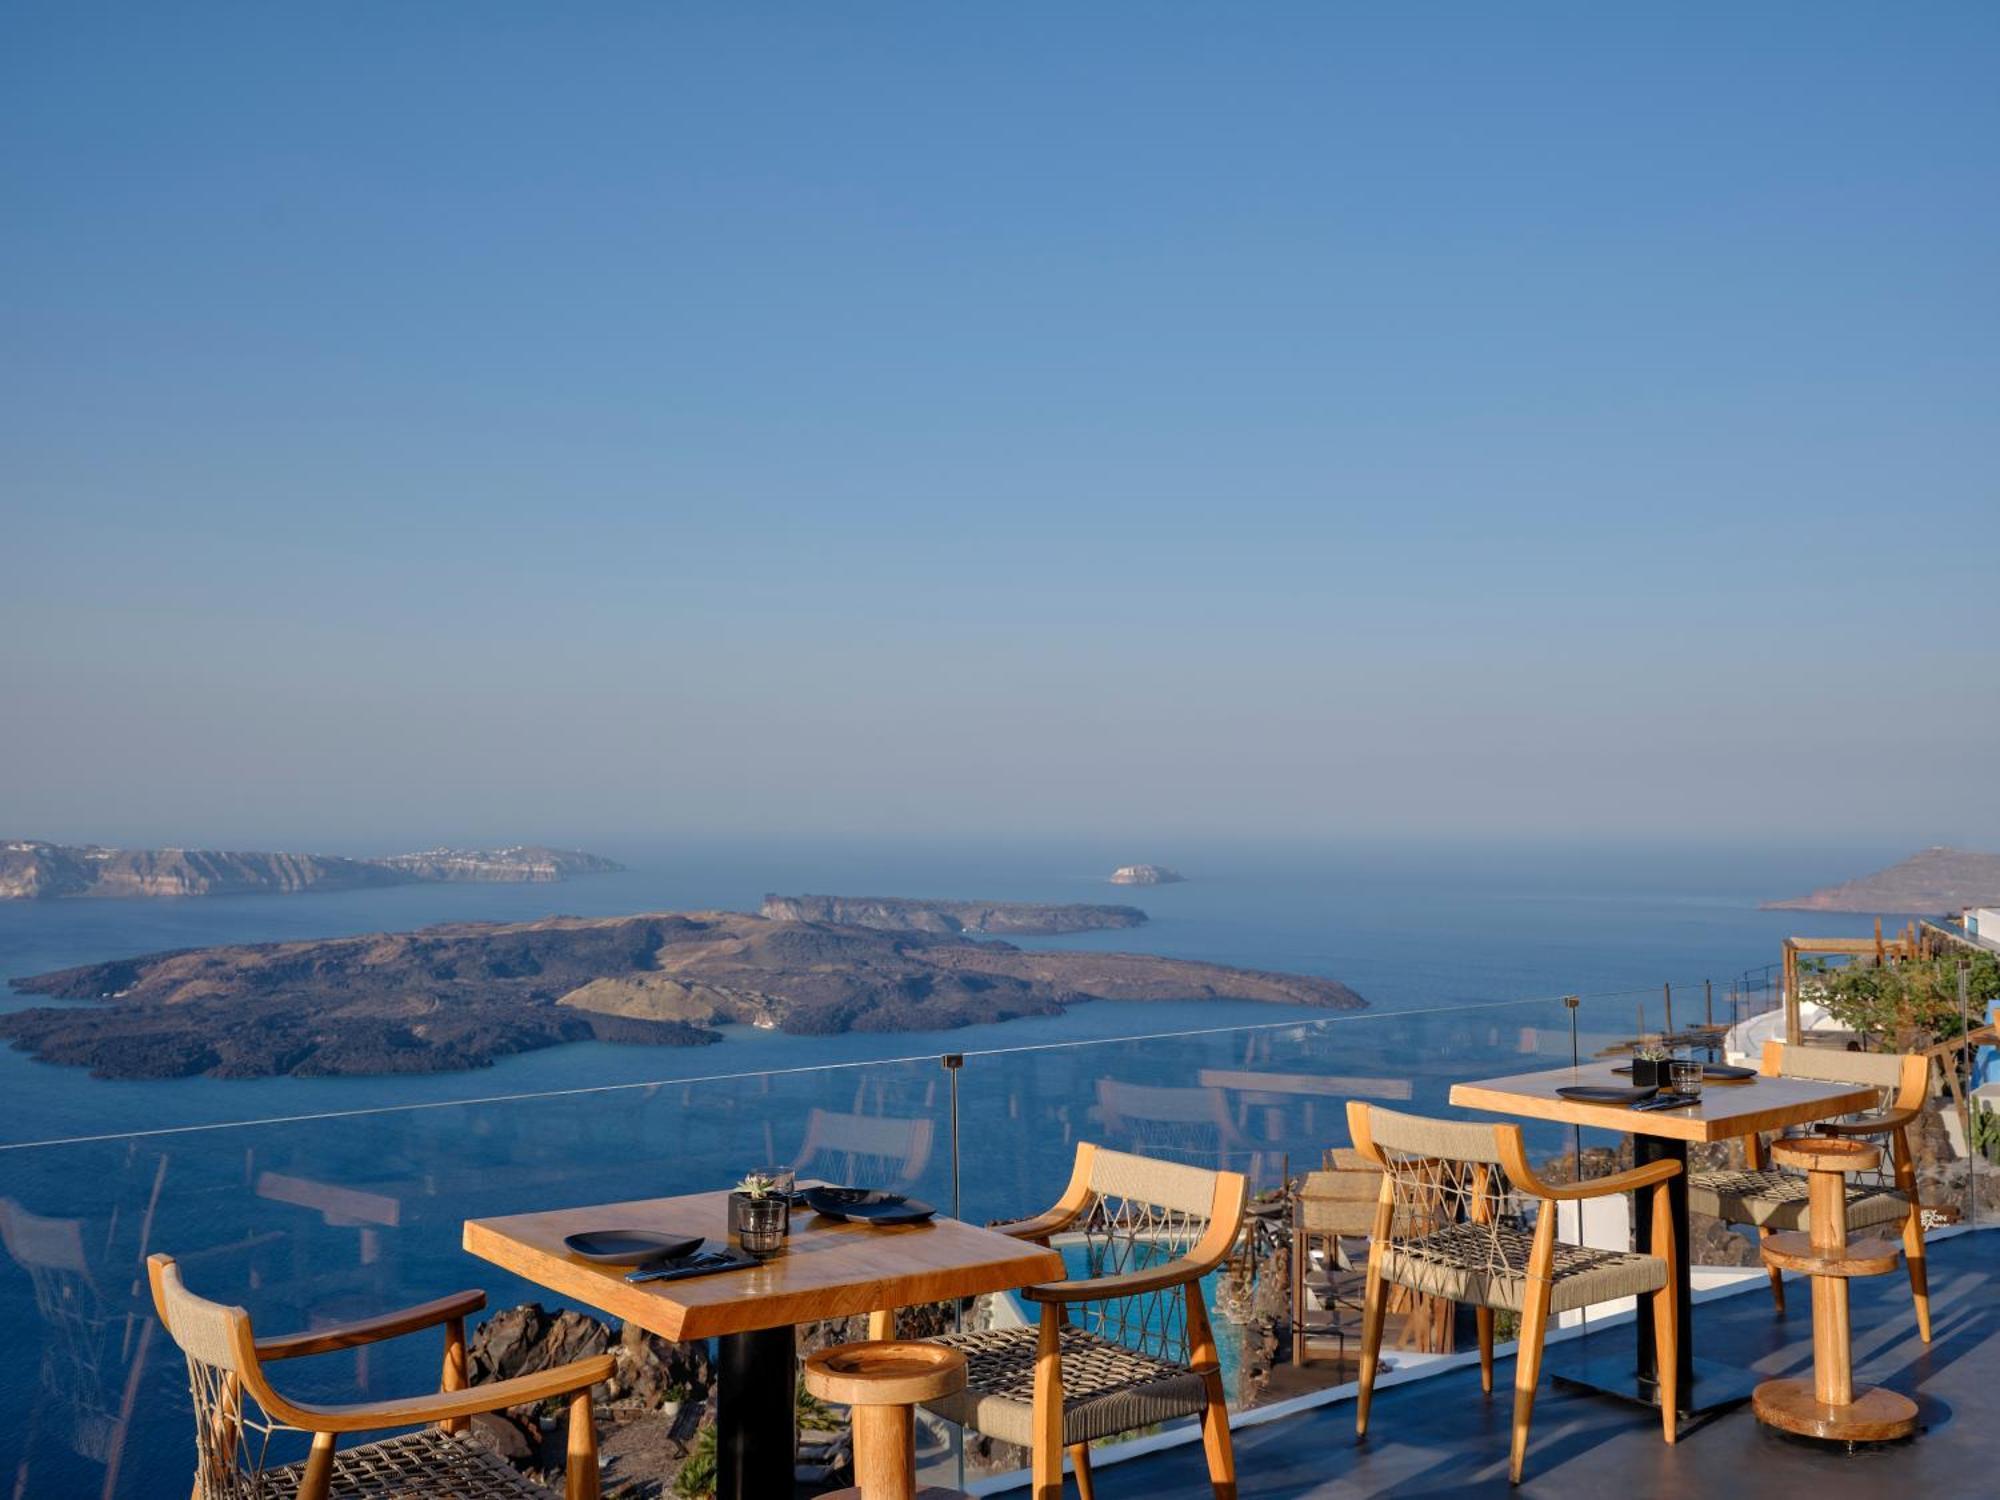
x: 1138, y: 424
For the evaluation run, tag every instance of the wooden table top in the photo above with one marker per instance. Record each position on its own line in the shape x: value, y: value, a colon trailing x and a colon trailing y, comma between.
x: 1726, y: 1110
x: 828, y: 1269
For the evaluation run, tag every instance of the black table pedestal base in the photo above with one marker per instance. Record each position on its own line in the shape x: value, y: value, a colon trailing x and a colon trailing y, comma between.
x: 756, y: 1439
x: 1592, y: 1364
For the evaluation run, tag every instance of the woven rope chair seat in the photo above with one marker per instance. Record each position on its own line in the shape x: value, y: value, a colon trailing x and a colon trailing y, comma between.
x: 1107, y: 1388
x: 427, y: 1465
x: 1487, y: 1266
x: 1776, y: 1199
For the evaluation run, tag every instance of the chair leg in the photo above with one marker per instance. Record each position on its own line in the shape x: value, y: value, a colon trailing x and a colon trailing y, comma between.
x: 1667, y: 1357
x: 1374, y: 1304
x: 453, y: 1378
x: 1913, y: 1257
x: 1079, y: 1464
x: 1528, y: 1369
x: 1045, y: 1454
x: 1482, y: 1317
x: 1913, y: 1236
x: 1215, y: 1440
x: 1764, y: 1232
x: 580, y: 1476
x: 318, y: 1477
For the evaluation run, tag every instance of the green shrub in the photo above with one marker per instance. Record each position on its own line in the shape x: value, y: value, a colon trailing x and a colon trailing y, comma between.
x: 1903, y: 1003
x: 696, y: 1480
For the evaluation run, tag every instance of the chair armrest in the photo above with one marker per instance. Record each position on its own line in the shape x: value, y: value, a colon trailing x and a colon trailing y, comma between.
x: 1040, y: 1227
x: 1125, y: 1284
x: 412, y: 1411
x: 1875, y: 1124
x: 371, y: 1330
x: 1603, y: 1187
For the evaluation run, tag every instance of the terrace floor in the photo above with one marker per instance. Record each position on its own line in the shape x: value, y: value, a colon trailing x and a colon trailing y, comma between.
x: 1439, y: 1436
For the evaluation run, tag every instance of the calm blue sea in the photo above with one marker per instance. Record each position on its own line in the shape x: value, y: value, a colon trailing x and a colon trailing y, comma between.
x: 1408, y: 925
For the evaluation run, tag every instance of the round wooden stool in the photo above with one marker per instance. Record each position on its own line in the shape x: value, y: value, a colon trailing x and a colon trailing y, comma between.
x: 1830, y: 1407
x: 881, y: 1382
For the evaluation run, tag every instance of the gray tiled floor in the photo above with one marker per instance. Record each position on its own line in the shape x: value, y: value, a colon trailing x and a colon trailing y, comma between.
x: 1441, y: 1437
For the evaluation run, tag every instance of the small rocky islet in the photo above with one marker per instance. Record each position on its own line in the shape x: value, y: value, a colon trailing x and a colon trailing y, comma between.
x: 1146, y: 875
x: 459, y: 995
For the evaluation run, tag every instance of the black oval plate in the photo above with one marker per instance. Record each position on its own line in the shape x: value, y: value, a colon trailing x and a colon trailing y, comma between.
x: 865, y: 1207
x: 1591, y: 1093
x: 628, y: 1247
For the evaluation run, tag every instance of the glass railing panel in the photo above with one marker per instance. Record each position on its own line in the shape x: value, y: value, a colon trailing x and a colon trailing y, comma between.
x: 312, y: 1221
x: 321, y: 1221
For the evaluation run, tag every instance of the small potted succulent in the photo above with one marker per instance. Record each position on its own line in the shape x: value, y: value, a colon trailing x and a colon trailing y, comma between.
x: 760, y: 1214
x: 1651, y: 1066
x: 675, y: 1398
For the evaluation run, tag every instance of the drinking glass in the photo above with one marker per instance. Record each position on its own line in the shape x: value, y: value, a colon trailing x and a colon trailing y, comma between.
x: 762, y: 1224
x: 1687, y: 1077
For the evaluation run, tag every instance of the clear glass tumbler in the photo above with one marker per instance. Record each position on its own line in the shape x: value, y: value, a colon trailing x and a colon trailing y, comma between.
x: 1687, y: 1077
x: 761, y: 1224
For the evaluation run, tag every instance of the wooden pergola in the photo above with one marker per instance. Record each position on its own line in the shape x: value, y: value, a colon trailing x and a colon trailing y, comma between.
x: 1906, y: 944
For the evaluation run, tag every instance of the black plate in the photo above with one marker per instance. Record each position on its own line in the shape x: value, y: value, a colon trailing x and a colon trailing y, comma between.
x: 1591, y: 1093
x: 627, y: 1247
x: 1713, y: 1072
x: 862, y: 1206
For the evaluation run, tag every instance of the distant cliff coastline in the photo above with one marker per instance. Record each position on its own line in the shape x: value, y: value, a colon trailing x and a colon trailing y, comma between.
x: 460, y: 995
x: 1000, y: 918
x: 32, y: 870
x: 1936, y: 882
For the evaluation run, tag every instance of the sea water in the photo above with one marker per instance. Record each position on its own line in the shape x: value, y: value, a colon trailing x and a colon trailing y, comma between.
x: 1407, y: 925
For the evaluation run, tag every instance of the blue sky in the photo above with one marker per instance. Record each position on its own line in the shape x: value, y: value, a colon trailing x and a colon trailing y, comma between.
x: 468, y: 421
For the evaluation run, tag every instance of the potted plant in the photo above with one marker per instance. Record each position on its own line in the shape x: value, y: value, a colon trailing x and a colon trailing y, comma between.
x: 760, y: 1214
x: 1650, y: 1066
x: 675, y: 1398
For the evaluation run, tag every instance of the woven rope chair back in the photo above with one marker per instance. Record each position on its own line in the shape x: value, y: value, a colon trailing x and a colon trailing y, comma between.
x: 1450, y: 1192
x: 233, y: 1433
x: 1142, y: 1213
x: 864, y: 1150
x: 1174, y: 1124
x: 82, y: 1366
x: 1882, y: 1070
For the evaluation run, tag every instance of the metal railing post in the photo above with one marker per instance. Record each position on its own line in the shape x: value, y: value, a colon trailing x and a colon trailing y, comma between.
x: 952, y: 1062
x: 1965, y: 1094
x: 1570, y: 1003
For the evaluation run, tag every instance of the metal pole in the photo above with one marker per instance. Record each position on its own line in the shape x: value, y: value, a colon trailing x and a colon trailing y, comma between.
x: 1668, y: 991
x: 952, y: 1062
x: 1965, y: 1094
x: 1570, y: 1003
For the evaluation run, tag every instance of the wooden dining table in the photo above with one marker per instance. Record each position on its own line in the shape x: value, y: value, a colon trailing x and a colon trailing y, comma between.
x: 828, y: 1269
x: 1725, y: 1111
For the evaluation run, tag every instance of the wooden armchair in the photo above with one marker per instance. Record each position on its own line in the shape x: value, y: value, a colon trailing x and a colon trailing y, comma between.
x: 1772, y: 1199
x: 237, y: 1412
x: 1127, y: 1346
x: 1440, y: 1229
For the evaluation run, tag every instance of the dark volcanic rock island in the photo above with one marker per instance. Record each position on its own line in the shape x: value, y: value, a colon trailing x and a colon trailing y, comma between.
x: 902, y: 914
x: 459, y: 995
x: 31, y: 869
x: 1938, y: 881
